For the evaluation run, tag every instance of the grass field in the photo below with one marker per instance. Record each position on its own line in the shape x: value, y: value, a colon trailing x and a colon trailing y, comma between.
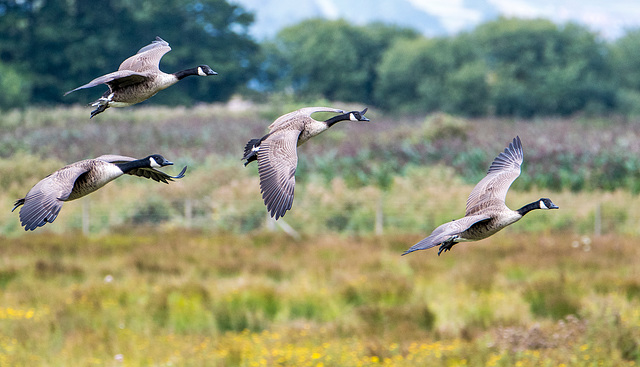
x: 184, y: 298
x: 151, y: 283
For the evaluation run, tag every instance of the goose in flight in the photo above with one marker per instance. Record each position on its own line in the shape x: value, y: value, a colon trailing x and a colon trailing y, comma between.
x: 139, y: 78
x: 486, y: 211
x: 44, y: 201
x: 277, y: 155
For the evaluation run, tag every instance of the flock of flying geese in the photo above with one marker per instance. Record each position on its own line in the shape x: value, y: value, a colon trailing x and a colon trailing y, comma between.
x: 139, y: 78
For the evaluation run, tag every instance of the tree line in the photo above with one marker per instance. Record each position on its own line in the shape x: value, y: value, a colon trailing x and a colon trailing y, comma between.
x: 505, y: 67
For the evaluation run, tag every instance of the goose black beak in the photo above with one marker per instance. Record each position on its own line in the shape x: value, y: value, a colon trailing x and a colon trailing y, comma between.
x: 167, y: 163
x: 362, y: 114
x: 554, y: 206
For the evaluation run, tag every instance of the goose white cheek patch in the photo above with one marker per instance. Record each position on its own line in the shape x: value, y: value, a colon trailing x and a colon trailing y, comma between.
x: 200, y: 72
x: 542, y: 206
x: 352, y: 117
x: 154, y: 163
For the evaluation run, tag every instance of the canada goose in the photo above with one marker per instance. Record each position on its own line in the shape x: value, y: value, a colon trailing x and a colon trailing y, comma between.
x: 486, y: 211
x: 139, y: 78
x: 44, y: 201
x: 277, y: 155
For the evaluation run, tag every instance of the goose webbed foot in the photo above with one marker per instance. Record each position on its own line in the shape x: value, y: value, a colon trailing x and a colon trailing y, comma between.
x: 446, y: 246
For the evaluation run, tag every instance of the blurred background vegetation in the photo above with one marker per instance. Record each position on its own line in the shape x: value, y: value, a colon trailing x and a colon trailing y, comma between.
x: 505, y: 67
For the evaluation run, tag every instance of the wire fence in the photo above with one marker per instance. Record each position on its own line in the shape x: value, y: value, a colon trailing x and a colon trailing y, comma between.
x: 376, y: 218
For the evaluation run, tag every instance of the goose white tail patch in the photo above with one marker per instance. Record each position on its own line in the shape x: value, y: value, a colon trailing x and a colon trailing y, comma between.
x: 200, y: 72
x: 255, y: 148
x: 154, y: 163
x: 103, y: 100
x: 542, y: 206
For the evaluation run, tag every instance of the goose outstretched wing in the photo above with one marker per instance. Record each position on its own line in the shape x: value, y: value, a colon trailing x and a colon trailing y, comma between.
x: 502, y: 172
x: 43, y: 202
x: 297, y: 116
x: 148, y: 58
x: 446, y: 232
x: 117, y: 79
x: 277, y: 162
x: 151, y: 173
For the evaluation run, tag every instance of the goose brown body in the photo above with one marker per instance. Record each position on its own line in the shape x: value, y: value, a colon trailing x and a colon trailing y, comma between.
x: 486, y: 211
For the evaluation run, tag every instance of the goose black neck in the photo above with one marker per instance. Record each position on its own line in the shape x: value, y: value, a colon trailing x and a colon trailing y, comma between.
x: 129, y: 166
x: 330, y: 122
x: 185, y: 73
x: 529, y: 207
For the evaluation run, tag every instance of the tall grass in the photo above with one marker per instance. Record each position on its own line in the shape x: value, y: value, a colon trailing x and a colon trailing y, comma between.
x: 189, y: 298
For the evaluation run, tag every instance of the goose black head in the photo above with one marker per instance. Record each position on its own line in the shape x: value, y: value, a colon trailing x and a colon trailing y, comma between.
x: 358, y: 115
x: 545, y: 203
x: 157, y: 161
x: 204, y: 70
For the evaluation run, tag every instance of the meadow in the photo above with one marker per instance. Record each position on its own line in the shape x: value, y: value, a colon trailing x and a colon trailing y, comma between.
x: 193, y: 273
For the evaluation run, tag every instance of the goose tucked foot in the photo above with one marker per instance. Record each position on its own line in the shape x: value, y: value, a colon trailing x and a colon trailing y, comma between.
x: 446, y: 246
x: 100, y: 108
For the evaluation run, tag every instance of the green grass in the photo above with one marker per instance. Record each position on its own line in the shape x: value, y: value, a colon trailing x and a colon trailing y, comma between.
x: 191, y: 298
x: 226, y: 197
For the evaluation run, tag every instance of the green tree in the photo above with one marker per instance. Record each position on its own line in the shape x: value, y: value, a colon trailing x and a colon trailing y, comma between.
x: 330, y: 59
x: 410, y: 76
x: 62, y: 44
x: 625, y: 59
x: 423, y: 75
x: 467, y: 90
x: 15, y: 88
x: 540, y: 68
x: 625, y: 56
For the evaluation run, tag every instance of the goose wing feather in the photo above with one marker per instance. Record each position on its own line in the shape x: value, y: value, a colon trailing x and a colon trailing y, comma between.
x: 44, y: 201
x: 446, y: 232
x: 148, y: 58
x: 115, y: 158
x: 156, y: 175
x: 277, y: 162
x: 117, y: 79
x: 501, y: 174
x: 298, y: 116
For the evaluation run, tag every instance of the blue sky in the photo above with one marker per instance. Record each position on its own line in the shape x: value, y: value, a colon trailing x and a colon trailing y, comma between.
x: 609, y: 18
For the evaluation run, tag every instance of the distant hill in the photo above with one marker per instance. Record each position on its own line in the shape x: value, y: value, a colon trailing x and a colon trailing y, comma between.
x: 443, y: 17
x: 273, y: 15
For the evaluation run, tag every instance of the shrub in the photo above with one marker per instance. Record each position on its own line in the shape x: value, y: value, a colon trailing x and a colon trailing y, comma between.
x: 551, y: 299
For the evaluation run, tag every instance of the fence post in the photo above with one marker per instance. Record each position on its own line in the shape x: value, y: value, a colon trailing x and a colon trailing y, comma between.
x: 85, y: 217
x: 379, y: 225
x: 597, y: 225
x: 272, y: 223
x: 188, y: 212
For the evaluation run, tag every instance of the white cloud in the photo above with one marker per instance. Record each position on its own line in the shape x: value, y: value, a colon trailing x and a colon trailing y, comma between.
x: 520, y: 8
x: 608, y: 18
x: 328, y: 8
x: 453, y: 15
